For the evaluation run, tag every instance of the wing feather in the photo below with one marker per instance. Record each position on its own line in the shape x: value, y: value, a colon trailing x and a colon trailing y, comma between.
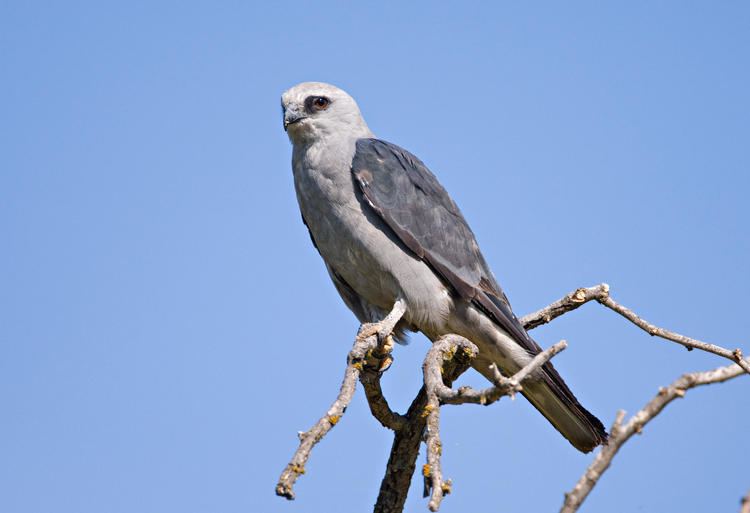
x: 411, y: 201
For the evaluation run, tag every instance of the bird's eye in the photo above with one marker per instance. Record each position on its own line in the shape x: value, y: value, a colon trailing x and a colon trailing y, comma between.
x: 320, y: 103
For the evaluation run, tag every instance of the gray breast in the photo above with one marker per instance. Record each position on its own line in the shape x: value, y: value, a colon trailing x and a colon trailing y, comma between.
x: 356, y: 244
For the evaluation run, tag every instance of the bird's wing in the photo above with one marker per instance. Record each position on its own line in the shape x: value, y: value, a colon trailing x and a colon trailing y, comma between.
x: 413, y: 204
x: 410, y: 200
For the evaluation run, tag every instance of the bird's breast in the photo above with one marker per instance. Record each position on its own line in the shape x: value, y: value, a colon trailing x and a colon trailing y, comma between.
x: 360, y: 247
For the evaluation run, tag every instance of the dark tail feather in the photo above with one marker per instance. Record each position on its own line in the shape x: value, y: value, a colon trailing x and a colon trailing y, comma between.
x: 552, y: 397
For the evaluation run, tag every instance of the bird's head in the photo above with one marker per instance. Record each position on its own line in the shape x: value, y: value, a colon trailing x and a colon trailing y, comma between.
x: 314, y: 110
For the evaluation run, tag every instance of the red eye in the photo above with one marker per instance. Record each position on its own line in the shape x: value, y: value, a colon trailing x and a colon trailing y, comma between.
x: 321, y: 103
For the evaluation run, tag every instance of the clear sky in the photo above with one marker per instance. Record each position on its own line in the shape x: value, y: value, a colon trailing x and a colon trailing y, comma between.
x: 166, y: 326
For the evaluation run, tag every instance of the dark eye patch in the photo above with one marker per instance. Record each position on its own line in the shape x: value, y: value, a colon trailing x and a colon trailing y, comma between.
x: 316, y: 104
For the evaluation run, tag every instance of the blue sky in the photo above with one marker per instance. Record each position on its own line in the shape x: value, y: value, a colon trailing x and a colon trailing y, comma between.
x: 167, y: 327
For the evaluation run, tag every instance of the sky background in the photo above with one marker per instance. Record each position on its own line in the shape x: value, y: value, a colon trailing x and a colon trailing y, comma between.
x: 166, y: 327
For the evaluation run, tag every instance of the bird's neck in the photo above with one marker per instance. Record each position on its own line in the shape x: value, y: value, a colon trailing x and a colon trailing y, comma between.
x: 324, y: 155
x: 328, y: 149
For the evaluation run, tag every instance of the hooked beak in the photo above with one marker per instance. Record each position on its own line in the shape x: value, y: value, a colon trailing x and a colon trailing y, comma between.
x: 292, y: 116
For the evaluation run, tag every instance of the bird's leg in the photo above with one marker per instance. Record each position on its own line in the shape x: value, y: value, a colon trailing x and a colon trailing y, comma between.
x: 380, y: 357
x: 385, y: 327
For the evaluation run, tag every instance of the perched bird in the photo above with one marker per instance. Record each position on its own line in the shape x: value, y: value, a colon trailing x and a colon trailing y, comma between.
x: 388, y: 231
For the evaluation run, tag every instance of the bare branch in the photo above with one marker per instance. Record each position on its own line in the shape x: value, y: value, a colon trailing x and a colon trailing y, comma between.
x: 734, y: 355
x: 445, y: 361
x: 503, y: 386
x: 600, y: 293
x: 536, y: 362
x: 455, y: 349
x: 379, y: 407
x: 442, y: 350
x: 308, y: 439
x: 402, y: 461
x: 567, y: 304
x: 369, y: 339
x: 622, y: 433
x: 432, y: 469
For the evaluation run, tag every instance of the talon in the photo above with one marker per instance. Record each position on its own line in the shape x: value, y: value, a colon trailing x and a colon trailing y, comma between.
x: 385, y: 364
x: 388, y: 344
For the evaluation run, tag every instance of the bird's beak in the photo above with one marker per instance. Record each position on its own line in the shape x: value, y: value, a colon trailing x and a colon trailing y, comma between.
x: 292, y: 115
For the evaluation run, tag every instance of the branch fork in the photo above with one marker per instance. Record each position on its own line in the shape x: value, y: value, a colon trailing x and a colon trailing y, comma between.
x: 445, y: 361
x: 459, y: 351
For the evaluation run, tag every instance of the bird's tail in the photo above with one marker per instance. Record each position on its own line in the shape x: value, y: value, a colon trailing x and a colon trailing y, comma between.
x: 549, y: 394
x: 552, y: 397
x: 546, y: 389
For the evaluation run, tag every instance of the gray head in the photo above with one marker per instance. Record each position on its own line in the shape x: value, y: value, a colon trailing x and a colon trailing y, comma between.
x: 314, y: 111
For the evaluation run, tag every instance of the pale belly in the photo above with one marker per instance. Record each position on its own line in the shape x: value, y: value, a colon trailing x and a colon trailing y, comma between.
x: 358, y: 246
x: 361, y: 250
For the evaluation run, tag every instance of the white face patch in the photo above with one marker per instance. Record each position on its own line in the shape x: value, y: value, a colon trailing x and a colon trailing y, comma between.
x: 314, y: 110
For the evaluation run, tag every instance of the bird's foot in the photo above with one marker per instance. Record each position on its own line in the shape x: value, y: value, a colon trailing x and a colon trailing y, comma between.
x: 384, y: 328
x: 379, y: 358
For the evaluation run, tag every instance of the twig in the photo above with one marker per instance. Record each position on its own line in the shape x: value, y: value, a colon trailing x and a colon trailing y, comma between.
x: 455, y: 349
x: 734, y: 355
x: 600, y: 293
x: 457, y: 352
x: 370, y: 379
x: 402, y: 461
x: 567, y: 304
x: 369, y: 339
x: 503, y: 386
x: 432, y: 470
x: 622, y: 433
x: 446, y: 360
x: 308, y: 439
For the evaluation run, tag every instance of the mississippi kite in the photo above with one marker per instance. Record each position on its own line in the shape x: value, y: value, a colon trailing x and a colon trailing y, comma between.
x: 388, y: 231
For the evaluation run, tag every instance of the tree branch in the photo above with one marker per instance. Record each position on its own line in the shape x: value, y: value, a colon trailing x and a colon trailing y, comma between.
x: 447, y: 359
x: 503, y: 386
x: 734, y: 355
x: 600, y: 293
x: 308, y: 439
x: 459, y: 351
x: 402, y: 461
x: 567, y: 304
x: 620, y: 433
x: 371, y: 337
x: 379, y: 407
x: 451, y: 349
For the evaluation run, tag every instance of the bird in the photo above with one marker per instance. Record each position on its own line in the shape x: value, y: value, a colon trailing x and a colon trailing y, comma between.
x: 389, y: 232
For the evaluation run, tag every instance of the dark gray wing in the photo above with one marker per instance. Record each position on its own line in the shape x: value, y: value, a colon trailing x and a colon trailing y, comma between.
x: 408, y: 197
x: 412, y: 203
